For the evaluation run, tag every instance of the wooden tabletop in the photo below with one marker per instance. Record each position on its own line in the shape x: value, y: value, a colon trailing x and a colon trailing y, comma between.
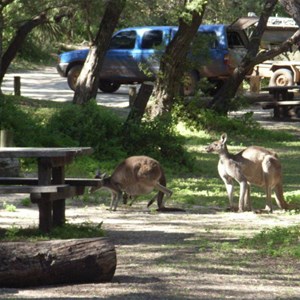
x: 14, y: 152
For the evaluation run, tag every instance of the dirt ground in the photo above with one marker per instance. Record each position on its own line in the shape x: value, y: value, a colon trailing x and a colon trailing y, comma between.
x: 175, y: 255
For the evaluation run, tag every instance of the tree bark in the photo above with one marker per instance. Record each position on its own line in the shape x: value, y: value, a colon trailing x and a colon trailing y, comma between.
x: 139, y: 105
x: 292, y: 7
x: 87, y: 83
x: 168, y: 83
x: 221, y: 101
x: 24, y: 264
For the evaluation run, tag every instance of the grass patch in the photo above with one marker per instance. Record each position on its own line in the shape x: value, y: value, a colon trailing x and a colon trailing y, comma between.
x: 68, y: 231
x: 278, y: 241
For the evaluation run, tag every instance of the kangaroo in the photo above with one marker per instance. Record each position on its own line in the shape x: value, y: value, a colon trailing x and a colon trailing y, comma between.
x: 253, y: 165
x: 136, y: 175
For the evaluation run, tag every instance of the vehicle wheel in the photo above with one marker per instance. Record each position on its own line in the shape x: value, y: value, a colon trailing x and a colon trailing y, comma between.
x: 190, y: 81
x: 108, y: 86
x: 282, y: 77
x: 73, y: 75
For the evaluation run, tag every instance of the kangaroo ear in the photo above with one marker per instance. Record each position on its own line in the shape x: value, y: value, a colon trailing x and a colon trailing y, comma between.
x: 224, y: 138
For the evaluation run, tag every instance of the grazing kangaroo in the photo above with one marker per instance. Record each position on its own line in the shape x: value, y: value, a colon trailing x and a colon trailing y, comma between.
x: 137, y: 175
x: 253, y: 165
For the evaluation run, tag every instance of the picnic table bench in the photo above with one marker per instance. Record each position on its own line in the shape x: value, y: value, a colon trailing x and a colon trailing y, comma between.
x: 50, y: 188
x: 283, y: 100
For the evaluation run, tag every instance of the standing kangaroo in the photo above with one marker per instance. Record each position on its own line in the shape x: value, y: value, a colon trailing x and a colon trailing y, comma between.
x: 137, y: 175
x: 253, y: 165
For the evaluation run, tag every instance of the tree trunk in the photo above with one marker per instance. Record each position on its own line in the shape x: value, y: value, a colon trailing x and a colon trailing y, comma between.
x: 292, y: 7
x: 87, y: 83
x: 168, y: 83
x: 24, y: 264
x: 221, y: 100
x: 2, y: 6
x: 139, y: 105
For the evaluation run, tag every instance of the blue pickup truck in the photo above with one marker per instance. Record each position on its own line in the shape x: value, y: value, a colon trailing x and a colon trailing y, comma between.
x: 134, y: 53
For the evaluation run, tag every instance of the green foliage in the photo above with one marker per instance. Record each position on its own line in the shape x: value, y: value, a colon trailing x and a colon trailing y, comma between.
x: 157, y: 138
x: 88, y: 125
x: 25, y: 127
x: 36, y: 123
x: 68, y: 231
x: 9, y: 207
x: 191, y: 7
x: 278, y: 241
x: 243, y: 126
x: 26, y: 202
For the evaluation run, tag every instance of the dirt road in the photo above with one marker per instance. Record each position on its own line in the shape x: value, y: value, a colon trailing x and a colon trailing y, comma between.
x: 175, y: 256
x: 46, y: 84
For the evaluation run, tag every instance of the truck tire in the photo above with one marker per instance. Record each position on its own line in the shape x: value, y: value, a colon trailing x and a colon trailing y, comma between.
x: 282, y: 77
x: 190, y: 83
x: 108, y: 86
x: 73, y: 75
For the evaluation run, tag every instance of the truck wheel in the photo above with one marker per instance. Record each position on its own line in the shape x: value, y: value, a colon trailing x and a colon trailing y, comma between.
x: 108, y: 86
x: 190, y: 82
x: 73, y: 75
x: 282, y: 77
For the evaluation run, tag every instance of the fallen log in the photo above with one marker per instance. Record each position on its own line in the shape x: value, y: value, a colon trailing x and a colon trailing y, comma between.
x: 24, y: 264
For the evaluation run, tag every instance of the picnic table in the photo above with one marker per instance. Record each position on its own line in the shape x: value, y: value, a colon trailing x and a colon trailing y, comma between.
x: 50, y: 188
x: 283, y: 100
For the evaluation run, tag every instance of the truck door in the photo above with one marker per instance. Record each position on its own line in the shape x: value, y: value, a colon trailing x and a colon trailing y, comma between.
x: 152, y: 47
x: 121, y: 60
x: 208, y: 53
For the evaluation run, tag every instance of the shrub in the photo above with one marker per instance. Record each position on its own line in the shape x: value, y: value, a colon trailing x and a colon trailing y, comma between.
x: 87, y: 125
x: 26, y: 128
x: 158, y: 139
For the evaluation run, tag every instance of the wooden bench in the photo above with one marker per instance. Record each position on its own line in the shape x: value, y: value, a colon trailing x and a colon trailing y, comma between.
x: 28, y: 189
x: 72, y: 187
x: 283, y: 104
x: 34, y: 181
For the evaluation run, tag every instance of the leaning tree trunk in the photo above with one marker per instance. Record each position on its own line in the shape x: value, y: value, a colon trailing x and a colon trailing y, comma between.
x: 139, y: 104
x: 221, y: 100
x: 292, y: 7
x: 168, y: 83
x: 88, y: 81
x: 24, y: 264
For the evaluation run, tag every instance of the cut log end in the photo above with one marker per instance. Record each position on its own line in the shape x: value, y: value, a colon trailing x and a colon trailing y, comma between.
x: 24, y: 264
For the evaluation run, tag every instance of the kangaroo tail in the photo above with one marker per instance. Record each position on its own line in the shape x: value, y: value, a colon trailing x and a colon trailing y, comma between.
x: 160, y: 195
x: 279, y: 197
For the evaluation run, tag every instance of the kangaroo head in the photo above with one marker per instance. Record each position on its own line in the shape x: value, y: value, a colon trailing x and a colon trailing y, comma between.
x: 217, y: 146
x: 98, y: 175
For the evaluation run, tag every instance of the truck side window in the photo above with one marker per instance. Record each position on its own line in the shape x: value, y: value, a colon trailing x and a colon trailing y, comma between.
x: 152, y: 39
x: 123, y: 40
x: 207, y: 39
x: 234, y: 40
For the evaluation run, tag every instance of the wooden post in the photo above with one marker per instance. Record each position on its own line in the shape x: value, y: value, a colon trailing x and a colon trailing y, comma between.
x: 6, y: 138
x: 254, y: 84
x: 25, y: 264
x: 132, y: 94
x: 45, y: 204
x: 17, y: 85
x: 58, y: 206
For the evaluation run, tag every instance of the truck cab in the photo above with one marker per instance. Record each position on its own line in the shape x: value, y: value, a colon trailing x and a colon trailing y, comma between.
x: 134, y: 55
